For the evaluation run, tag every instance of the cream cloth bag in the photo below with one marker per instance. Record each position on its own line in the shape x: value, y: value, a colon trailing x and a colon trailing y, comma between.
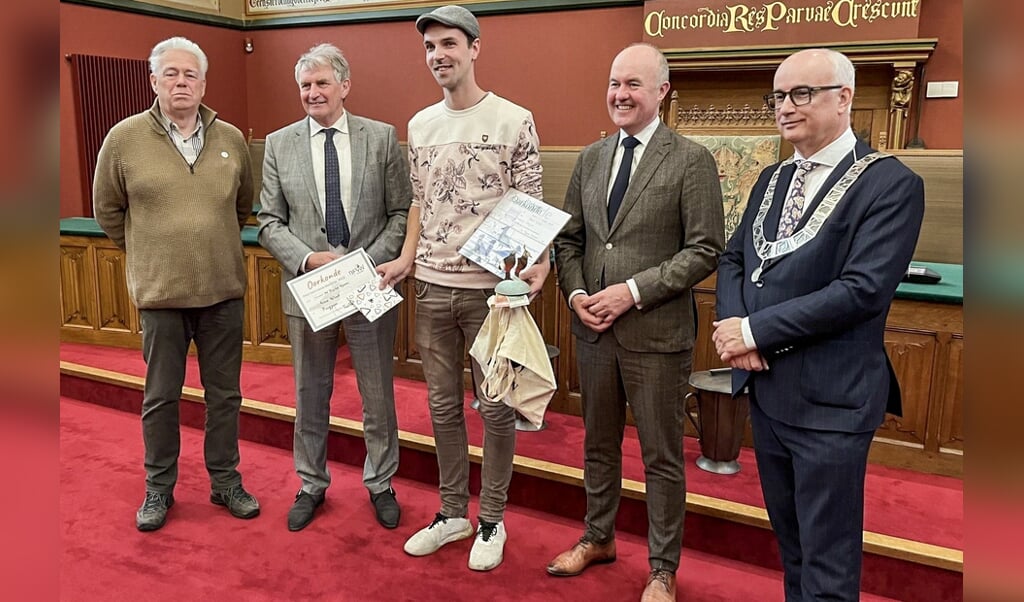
x: 515, y: 363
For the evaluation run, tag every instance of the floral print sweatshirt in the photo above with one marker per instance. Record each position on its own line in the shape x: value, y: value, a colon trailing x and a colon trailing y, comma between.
x: 462, y: 163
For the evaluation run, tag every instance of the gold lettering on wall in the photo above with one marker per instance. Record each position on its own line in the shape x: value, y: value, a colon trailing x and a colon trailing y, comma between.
x: 777, y: 16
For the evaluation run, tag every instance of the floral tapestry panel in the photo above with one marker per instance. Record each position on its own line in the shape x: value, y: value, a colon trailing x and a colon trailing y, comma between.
x: 741, y: 159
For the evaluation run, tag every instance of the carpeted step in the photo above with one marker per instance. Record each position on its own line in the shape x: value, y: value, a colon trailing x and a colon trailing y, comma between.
x: 204, y: 553
x: 725, y: 514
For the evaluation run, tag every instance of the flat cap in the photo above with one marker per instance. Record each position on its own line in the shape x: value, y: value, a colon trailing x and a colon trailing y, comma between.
x: 452, y: 16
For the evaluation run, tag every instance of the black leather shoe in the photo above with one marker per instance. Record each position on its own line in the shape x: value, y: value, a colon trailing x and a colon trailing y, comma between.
x: 302, y: 510
x: 387, y: 508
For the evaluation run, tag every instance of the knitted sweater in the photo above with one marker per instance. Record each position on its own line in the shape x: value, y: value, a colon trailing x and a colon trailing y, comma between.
x: 462, y: 163
x: 178, y: 224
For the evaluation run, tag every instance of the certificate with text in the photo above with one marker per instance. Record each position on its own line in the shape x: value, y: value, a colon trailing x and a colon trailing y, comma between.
x: 520, y: 227
x: 324, y: 294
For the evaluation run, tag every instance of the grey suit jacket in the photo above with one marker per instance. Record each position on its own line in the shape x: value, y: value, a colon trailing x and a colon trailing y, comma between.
x: 291, y: 222
x: 667, y: 236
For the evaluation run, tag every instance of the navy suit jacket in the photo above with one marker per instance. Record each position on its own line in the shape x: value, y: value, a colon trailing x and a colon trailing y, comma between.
x: 819, y: 315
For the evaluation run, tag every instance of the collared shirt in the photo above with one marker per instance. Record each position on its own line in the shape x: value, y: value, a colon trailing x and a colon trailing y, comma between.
x: 827, y: 158
x: 343, y: 145
x: 644, y: 136
x: 188, y: 147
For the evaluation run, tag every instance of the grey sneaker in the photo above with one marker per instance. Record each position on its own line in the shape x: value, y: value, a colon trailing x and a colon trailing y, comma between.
x: 239, y: 502
x: 442, y: 530
x: 153, y: 513
x: 489, y: 546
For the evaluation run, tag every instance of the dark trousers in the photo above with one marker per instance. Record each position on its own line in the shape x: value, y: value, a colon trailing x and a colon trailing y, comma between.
x: 653, y: 384
x: 166, y: 335
x: 813, y: 484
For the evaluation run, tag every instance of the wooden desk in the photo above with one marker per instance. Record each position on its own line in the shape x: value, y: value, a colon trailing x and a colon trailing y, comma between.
x: 924, y: 336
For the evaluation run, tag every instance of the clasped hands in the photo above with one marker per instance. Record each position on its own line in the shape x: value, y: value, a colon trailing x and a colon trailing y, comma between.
x: 600, y: 310
x: 730, y: 346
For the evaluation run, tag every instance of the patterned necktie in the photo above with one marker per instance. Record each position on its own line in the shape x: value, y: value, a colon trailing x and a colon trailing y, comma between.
x: 337, y: 225
x: 622, y: 178
x: 794, y: 207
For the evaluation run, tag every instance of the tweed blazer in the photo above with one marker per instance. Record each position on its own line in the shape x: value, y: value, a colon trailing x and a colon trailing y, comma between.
x: 291, y: 222
x: 667, y: 236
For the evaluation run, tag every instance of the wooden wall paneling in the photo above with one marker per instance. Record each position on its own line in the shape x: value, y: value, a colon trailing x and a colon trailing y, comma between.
x: 116, y: 311
x: 558, y: 165
x: 704, y: 356
x: 409, y: 365
x: 270, y: 322
x: 942, y: 233
x: 252, y: 300
x: 266, y: 325
x: 402, y: 334
x: 913, y: 359
x: 77, y: 291
x: 951, y: 425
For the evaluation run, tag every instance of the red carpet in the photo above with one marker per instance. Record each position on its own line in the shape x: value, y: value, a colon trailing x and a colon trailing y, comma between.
x: 204, y: 553
x: 900, y: 503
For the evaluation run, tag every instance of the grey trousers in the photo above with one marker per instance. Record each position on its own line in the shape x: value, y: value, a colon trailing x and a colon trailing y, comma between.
x: 166, y: 335
x: 446, y: 320
x: 653, y: 384
x: 314, y: 355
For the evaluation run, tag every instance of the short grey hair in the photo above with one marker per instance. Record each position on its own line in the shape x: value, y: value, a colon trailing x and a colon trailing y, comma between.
x: 177, y: 43
x: 842, y: 67
x: 323, y: 55
x: 663, y: 70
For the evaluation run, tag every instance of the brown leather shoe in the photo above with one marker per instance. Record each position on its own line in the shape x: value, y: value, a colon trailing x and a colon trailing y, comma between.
x: 580, y: 556
x: 661, y: 587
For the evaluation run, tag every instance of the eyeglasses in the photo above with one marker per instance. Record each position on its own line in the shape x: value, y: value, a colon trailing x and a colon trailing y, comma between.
x: 799, y: 95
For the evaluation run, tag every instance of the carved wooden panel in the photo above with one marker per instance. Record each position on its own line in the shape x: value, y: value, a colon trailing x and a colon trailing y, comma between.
x: 77, y: 300
x: 912, y: 356
x: 116, y: 312
x: 951, y: 429
x: 405, y: 345
x: 567, y: 399
x: 704, y: 356
x: 270, y: 326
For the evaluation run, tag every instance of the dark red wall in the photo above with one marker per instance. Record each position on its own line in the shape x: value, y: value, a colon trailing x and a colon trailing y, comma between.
x: 551, y: 63
x: 554, y: 63
x: 942, y: 119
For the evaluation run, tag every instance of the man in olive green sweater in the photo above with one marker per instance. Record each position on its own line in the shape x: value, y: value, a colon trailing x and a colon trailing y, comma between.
x: 173, y: 188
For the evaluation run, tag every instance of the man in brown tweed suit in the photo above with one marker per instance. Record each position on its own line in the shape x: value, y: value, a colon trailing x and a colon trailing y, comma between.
x: 646, y: 225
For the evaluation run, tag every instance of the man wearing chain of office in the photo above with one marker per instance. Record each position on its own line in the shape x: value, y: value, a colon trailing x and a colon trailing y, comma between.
x: 804, y: 288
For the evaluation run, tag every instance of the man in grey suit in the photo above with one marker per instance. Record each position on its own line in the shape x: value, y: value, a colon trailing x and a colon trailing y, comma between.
x: 336, y: 182
x: 646, y: 225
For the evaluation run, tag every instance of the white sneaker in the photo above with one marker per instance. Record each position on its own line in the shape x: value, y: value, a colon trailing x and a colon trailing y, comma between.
x: 442, y: 530
x: 489, y: 546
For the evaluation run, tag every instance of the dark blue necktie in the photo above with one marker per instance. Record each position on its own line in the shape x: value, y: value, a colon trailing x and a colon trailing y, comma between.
x: 622, y: 178
x: 337, y: 225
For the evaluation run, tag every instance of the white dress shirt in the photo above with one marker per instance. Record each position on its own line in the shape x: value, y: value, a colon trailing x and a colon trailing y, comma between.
x: 343, y: 145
